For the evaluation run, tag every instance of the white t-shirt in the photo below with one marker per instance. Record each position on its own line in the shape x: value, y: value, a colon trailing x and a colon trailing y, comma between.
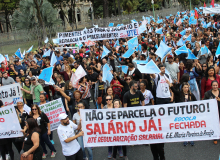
x: 162, y: 90
x: 65, y: 132
x: 147, y: 96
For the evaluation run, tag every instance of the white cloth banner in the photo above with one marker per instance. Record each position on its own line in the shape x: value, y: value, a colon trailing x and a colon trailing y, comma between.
x: 94, y: 34
x: 10, y: 94
x: 53, y: 109
x: 9, y: 124
x: 175, y: 122
x: 211, y: 10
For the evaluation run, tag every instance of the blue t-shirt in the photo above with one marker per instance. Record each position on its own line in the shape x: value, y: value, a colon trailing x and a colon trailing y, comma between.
x: 60, y: 58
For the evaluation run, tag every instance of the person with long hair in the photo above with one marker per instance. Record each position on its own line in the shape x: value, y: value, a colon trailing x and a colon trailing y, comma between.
x: 148, y: 97
x: 192, y: 82
x: 210, y: 61
x: 76, y: 120
x: 109, y: 92
x: 84, y: 89
x: 32, y: 140
x: 27, y: 96
x: 68, y: 89
x: 214, y: 94
x: 44, y: 124
x: 116, y: 85
x: 207, y: 80
x: 61, y: 84
x: 68, y: 71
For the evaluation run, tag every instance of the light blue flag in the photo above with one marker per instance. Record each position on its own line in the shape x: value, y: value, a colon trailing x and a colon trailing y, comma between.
x: 167, y: 72
x: 51, y: 82
x: 189, y: 38
x: 96, y: 26
x: 148, y: 20
x: 88, y: 51
x: 133, y: 21
x: 79, y: 44
x: 142, y: 29
x: 180, y: 42
x: 183, y: 32
x: 47, y: 53
x: 167, y: 17
x: 149, y: 68
x: 116, y: 43
x: 133, y: 42
x: 107, y: 75
x: 56, y: 41
x: 182, y: 49
x: 143, y: 17
x: 159, y: 31
x: 175, y: 20
x: 53, y: 60
x: 128, y: 53
x: 150, y: 30
x: 160, y: 21
x: 111, y: 24
x: 30, y: 49
x: 141, y: 61
x: 200, y: 7
x: 19, y: 54
x: 209, y: 25
x: 164, y: 39
x: 118, y: 25
x: 124, y: 69
x: 46, y: 74
x: 105, y: 52
x: 204, y: 25
x: 2, y: 58
x: 139, y: 48
x: 156, y: 46
x: 191, y: 55
x: 217, y: 53
x: 6, y: 56
x: 204, y: 50
x: 46, y: 40
x: 171, y: 15
x: 162, y: 50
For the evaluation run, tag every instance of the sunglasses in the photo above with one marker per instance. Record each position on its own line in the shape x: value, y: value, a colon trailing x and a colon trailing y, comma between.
x: 33, y: 109
x: 108, y: 99
x: 204, y: 66
x: 128, y: 79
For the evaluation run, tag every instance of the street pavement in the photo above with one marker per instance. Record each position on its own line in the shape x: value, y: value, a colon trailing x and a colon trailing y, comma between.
x: 202, y: 150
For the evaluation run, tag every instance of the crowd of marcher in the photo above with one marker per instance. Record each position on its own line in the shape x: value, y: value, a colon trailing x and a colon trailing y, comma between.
x: 181, y: 80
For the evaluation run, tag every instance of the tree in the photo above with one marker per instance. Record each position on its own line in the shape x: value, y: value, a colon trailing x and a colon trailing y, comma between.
x: 129, y: 5
x: 8, y: 6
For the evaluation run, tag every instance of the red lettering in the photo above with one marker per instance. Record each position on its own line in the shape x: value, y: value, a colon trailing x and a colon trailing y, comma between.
x: 97, y: 128
x: 133, y: 128
x: 171, y: 125
x: 145, y: 127
x: 152, y: 125
x: 111, y: 128
x: 203, y: 123
x: 91, y: 131
x: 119, y: 126
x: 2, y: 120
x: 103, y: 129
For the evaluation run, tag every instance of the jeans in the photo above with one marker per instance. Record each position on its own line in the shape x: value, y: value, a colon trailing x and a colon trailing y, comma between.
x: 115, y: 148
x: 51, y: 135
x: 92, y: 91
x: 80, y: 140
x: 71, y: 111
x: 76, y: 156
x: 45, y: 139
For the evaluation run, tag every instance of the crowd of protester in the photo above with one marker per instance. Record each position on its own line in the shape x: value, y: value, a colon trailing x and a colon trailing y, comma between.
x: 180, y: 80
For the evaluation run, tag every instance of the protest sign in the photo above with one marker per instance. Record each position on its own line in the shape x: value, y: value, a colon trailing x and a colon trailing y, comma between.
x: 211, y: 10
x: 53, y: 109
x: 10, y: 94
x: 188, y: 121
x: 9, y: 123
x: 94, y: 34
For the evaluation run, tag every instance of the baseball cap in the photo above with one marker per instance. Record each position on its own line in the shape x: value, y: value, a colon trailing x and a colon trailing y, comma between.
x: 62, y: 116
x: 33, y: 78
x: 170, y: 56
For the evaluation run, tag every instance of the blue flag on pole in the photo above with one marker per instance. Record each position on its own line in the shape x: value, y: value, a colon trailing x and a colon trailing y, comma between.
x: 47, y: 53
x: 105, y: 52
x: 149, y: 68
x: 46, y: 40
x: 159, y: 31
x: 180, y: 42
x: 133, y: 21
x: 164, y: 39
x: 46, y: 74
x: 156, y: 46
x: 111, y: 24
x: 18, y: 53
x: 204, y: 50
x: 53, y: 60
x: 133, y: 42
x: 30, y: 49
x: 139, y: 48
x: 189, y: 38
x: 160, y: 21
x: 107, y: 75
x: 217, y: 53
x: 6, y: 56
x: 2, y: 58
x: 56, y: 41
x: 162, y: 50
x: 141, y: 29
x: 141, y: 61
x: 116, y: 43
x: 191, y: 55
x: 182, y: 49
x: 183, y: 32
x: 128, y: 53
x: 79, y: 44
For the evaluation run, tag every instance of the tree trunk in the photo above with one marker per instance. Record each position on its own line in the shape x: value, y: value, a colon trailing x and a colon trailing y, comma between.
x: 119, y: 8
x: 105, y: 9
x: 114, y: 7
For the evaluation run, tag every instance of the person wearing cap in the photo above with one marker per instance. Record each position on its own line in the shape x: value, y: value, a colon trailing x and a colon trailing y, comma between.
x: 66, y: 133
x: 172, y: 68
x: 36, y: 90
x: 6, y: 80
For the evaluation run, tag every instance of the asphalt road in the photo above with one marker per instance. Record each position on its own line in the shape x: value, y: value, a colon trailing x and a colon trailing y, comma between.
x: 202, y: 150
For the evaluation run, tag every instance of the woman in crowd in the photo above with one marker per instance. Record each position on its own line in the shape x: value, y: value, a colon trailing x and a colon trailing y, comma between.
x: 116, y: 86
x: 68, y: 71
x: 197, y: 49
x: 148, y: 97
x: 214, y: 94
x: 32, y: 146
x: 100, y: 90
x: 207, y: 80
x: 96, y: 65
x: 84, y: 88
x: 117, y: 104
x: 68, y: 89
x: 109, y: 92
x: 60, y: 83
x: 44, y: 124
x: 76, y: 120
x: 210, y: 61
x: 26, y: 96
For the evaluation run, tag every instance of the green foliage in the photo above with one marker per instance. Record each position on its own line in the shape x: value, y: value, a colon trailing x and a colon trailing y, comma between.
x: 186, y: 3
x: 25, y: 17
x: 129, y: 5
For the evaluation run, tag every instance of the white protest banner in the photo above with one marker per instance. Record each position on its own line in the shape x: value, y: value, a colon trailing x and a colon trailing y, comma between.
x: 175, y: 122
x: 9, y: 123
x: 211, y: 10
x: 53, y: 109
x: 94, y: 34
x: 10, y: 94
